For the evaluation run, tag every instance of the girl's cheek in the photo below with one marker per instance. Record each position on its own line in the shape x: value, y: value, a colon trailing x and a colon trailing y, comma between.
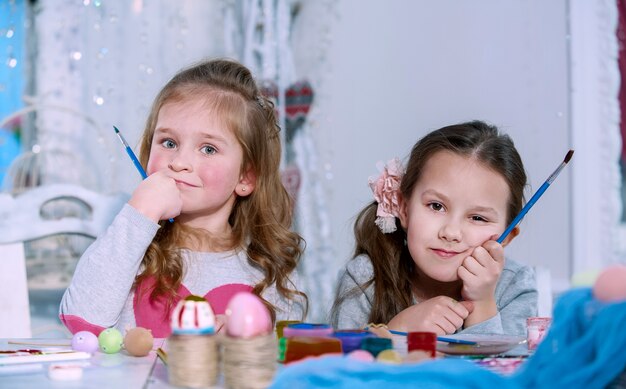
x: 479, y: 238
x: 154, y: 163
x: 150, y: 169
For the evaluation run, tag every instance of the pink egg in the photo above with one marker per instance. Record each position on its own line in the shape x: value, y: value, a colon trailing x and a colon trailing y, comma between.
x: 361, y: 355
x: 610, y: 285
x: 247, y: 316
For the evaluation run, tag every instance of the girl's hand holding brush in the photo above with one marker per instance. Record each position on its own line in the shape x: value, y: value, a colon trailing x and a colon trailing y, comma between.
x: 157, y: 197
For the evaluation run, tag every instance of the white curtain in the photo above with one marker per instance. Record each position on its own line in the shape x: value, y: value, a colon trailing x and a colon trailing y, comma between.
x: 106, y: 60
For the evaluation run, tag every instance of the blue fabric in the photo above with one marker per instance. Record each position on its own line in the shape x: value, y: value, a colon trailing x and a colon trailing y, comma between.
x: 585, y: 348
x: 343, y: 372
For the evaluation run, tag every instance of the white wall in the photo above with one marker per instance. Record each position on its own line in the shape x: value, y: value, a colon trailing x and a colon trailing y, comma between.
x: 398, y: 69
x: 595, y: 128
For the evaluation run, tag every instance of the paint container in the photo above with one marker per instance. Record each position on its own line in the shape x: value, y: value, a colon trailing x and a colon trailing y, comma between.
x: 351, y: 339
x: 280, y: 326
x: 299, y: 347
x: 537, y: 329
x: 376, y: 345
x: 308, y: 329
x: 422, y: 341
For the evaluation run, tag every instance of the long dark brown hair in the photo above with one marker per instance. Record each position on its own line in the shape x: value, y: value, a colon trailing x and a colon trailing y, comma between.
x: 393, y: 266
x: 261, y: 222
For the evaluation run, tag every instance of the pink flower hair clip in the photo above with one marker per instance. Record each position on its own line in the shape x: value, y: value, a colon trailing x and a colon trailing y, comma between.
x: 386, y: 189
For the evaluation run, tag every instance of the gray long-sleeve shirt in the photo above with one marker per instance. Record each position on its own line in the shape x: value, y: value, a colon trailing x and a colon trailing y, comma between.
x: 516, y: 299
x: 101, y: 293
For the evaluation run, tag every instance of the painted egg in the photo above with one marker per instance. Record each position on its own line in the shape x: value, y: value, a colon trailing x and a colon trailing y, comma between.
x: 361, y: 355
x: 193, y: 316
x: 610, y: 285
x: 110, y: 341
x: 389, y: 356
x: 247, y: 316
x: 138, y: 342
x: 85, y: 341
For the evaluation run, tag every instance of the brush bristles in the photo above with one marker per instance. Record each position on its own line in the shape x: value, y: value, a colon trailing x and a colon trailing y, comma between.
x: 568, y: 156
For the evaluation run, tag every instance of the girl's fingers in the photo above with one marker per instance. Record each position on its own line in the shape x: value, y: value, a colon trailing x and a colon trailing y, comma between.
x: 465, y: 275
x: 454, y: 319
x: 473, y: 265
x: 494, y: 250
x: 446, y: 325
x: 459, y: 309
x: 439, y: 330
x: 468, y: 305
x: 483, y: 256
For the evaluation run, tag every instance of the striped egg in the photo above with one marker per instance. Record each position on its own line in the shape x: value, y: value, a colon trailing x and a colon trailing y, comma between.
x: 193, y: 316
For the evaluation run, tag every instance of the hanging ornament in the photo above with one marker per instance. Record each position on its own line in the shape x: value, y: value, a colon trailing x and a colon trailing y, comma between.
x: 298, y: 100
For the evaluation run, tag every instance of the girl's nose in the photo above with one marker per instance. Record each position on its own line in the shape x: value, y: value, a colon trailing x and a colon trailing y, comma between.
x: 180, y: 163
x: 450, y: 231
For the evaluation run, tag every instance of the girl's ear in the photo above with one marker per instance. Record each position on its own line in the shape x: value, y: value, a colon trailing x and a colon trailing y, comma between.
x: 402, y: 211
x: 514, y: 232
x: 246, y: 184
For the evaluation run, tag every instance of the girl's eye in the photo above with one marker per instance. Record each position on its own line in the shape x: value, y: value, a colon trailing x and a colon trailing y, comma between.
x: 168, y: 144
x: 478, y: 218
x: 436, y: 206
x: 208, y: 150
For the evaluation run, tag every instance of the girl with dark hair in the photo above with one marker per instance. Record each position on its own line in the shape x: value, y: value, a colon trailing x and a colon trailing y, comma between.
x: 426, y: 255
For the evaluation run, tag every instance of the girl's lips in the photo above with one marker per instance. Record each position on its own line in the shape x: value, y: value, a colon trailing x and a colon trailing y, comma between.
x: 445, y: 254
x: 184, y: 183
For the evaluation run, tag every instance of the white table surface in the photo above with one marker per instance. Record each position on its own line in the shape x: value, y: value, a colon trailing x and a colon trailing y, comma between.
x: 119, y: 370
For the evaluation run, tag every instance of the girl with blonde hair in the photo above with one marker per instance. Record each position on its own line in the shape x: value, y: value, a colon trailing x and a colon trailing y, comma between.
x: 211, y: 149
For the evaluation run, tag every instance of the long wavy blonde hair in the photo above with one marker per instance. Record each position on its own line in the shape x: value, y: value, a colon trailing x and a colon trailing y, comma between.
x: 260, y: 222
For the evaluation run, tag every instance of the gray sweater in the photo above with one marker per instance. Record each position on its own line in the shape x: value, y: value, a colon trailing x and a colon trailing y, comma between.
x: 516, y: 299
x: 101, y: 293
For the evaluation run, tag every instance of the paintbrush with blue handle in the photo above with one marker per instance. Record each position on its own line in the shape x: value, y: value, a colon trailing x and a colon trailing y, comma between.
x: 133, y: 157
x: 536, y: 197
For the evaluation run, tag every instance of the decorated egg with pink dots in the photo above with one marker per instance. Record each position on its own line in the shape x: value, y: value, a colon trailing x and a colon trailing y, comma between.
x: 247, y: 316
x: 193, y: 316
x: 85, y: 341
